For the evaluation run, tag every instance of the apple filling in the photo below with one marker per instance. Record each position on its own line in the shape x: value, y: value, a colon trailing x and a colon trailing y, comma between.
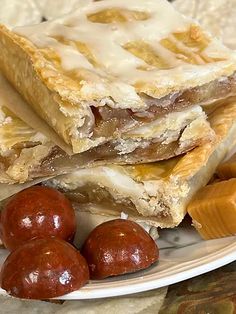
x: 108, y: 120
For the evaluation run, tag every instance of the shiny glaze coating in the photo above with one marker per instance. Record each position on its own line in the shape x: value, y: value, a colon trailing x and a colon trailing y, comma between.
x: 44, y: 268
x: 35, y: 213
x: 117, y: 247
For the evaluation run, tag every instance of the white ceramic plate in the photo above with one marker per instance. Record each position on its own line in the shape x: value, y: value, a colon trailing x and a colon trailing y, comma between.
x: 182, y: 255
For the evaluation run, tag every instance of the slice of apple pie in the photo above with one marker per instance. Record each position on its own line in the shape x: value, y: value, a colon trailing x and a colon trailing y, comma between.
x: 21, y: 148
x: 26, y: 153
x: 114, y: 69
x: 157, y: 193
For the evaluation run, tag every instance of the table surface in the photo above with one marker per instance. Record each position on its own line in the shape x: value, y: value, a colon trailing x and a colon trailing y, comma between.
x: 214, y: 292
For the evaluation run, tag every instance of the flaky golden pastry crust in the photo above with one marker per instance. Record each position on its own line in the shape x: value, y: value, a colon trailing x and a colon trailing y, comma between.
x: 103, y: 56
x: 22, y: 149
x: 157, y: 192
x: 26, y: 153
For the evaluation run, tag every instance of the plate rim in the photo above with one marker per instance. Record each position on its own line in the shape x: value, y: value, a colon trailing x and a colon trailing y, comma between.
x: 186, y: 270
x: 201, y: 266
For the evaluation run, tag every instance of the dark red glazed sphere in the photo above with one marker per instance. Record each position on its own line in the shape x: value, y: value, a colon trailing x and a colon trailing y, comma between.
x: 35, y: 213
x: 117, y: 247
x: 44, y: 268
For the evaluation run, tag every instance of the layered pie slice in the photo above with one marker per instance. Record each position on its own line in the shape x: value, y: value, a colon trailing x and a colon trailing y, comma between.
x: 26, y: 153
x: 169, y: 136
x: 115, y: 66
x: 157, y: 193
x: 22, y: 149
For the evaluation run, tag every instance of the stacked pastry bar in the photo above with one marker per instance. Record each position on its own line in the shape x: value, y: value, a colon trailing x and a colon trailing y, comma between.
x: 157, y: 191
x: 114, y: 94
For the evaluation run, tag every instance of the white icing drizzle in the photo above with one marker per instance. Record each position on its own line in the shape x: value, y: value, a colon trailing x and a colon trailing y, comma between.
x: 115, y: 59
x: 106, y: 41
x: 190, y: 51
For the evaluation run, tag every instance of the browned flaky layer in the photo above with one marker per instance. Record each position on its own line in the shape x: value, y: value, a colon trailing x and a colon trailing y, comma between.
x: 108, y: 122
x: 59, y: 162
x: 158, y: 191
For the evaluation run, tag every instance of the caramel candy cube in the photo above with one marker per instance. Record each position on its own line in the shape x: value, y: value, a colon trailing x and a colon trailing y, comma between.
x: 213, y: 210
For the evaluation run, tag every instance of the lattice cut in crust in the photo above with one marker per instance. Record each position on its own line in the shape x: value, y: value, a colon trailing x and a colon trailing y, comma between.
x: 123, y: 63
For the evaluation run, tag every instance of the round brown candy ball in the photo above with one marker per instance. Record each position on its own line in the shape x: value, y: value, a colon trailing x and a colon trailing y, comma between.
x: 117, y: 247
x: 35, y: 213
x: 44, y: 268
